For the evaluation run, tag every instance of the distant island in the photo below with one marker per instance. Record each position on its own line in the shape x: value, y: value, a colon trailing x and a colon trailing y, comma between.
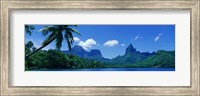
x: 78, y: 58
x: 131, y: 55
x: 80, y: 47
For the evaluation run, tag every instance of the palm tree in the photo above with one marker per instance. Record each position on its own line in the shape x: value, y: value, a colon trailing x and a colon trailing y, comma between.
x: 57, y: 32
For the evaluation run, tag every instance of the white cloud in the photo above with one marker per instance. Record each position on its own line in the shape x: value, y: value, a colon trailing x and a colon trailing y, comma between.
x: 158, y: 37
x: 111, y: 43
x: 122, y: 44
x: 87, y: 44
x: 136, y: 37
x: 76, y: 39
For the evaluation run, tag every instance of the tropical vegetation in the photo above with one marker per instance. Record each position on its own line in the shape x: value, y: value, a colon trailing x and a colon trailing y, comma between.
x: 78, y: 58
x: 57, y: 33
x: 54, y: 59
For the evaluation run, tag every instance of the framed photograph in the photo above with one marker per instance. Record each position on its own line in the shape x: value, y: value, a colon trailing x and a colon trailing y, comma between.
x: 113, y: 47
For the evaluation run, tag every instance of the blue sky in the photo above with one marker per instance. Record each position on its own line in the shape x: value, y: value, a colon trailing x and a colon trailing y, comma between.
x: 113, y: 40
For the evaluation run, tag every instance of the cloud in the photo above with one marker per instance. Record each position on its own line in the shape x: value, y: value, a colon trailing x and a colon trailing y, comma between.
x: 87, y: 44
x: 111, y: 43
x: 76, y: 39
x: 136, y: 37
x: 122, y: 45
x: 158, y: 37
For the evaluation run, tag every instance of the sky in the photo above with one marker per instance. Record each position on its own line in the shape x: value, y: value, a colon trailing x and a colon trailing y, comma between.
x: 112, y: 40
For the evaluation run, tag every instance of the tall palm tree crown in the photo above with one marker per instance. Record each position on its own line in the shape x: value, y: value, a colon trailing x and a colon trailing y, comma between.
x: 57, y: 33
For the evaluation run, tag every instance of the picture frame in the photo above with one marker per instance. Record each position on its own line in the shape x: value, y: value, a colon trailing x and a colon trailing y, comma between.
x: 7, y: 7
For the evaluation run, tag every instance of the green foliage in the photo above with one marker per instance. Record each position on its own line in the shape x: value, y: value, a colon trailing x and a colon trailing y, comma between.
x: 57, y: 32
x: 162, y: 59
x: 29, y: 29
x: 29, y: 44
x: 29, y: 47
x: 55, y: 59
x: 129, y: 58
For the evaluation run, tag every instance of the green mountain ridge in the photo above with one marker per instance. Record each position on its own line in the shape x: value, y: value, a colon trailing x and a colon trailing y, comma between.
x: 131, y: 56
x: 162, y: 59
x: 55, y: 59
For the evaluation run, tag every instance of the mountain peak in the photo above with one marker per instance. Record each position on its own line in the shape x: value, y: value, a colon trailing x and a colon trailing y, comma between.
x: 130, y: 46
x: 95, y: 52
x: 76, y: 47
x: 78, y: 50
x: 130, y: 49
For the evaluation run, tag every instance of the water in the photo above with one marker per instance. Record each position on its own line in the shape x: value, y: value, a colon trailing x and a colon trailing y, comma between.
x: 112, y: 69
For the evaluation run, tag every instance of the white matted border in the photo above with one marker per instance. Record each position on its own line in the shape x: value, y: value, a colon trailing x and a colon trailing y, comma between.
x: 180, y: 77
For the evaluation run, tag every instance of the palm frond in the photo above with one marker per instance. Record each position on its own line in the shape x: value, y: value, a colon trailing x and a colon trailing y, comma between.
x: 47, y: 29
x: 73, y: 25
x: 70, y: 35
x: 73, y: 31
x: 59, y: 39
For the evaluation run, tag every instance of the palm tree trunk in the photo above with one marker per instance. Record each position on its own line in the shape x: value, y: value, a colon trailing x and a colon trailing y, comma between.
x: 28, y: 55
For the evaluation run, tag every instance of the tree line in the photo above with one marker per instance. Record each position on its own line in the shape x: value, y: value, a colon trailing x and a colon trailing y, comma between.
x: 56, y: 59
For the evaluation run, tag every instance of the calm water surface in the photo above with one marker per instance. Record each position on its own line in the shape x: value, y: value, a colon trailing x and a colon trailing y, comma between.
x: 112, y: 69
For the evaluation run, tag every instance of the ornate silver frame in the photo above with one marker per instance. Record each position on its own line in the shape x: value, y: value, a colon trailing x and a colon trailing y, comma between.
x: 8, y: 5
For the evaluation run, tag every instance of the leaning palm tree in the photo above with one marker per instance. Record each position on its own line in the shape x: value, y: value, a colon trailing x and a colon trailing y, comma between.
x: 57, y: 33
